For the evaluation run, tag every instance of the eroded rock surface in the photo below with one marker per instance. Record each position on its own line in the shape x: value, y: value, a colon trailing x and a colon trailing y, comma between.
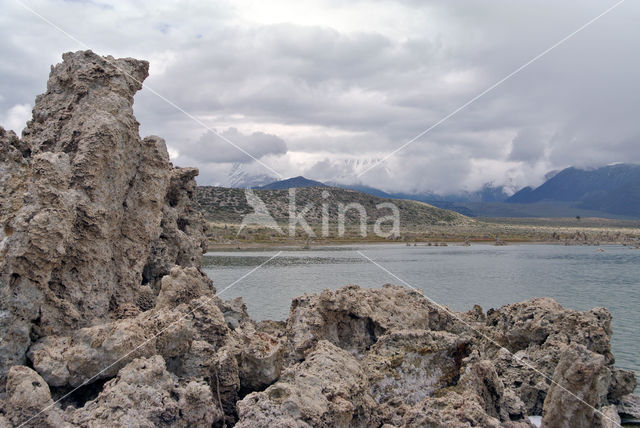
x: 427, y: 366
x: 28, y: 399
x: 354, y: 318
x: 182, y: 238
x: 327, y: 389
x: 88, y: 205
x: 107, y: 318
x: 580, y: 385
x: 145, y: 394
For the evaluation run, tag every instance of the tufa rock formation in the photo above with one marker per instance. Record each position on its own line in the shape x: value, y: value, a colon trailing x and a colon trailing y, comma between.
x: 107, y: 319
x: 91, y: 207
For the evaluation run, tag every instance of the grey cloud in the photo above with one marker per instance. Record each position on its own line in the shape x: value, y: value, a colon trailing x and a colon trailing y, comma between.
x: 210, y: 148
x: 365, y: 92
x: 528, y: 146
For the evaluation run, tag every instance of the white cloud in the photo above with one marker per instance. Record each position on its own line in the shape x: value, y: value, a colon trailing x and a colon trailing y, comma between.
x: 16, y: 117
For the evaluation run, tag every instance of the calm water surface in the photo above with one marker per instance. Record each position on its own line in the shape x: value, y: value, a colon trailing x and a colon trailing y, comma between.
x: 459, y: 277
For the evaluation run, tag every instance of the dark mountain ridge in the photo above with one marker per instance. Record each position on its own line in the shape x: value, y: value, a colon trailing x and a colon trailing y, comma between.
x: 612, y: 189
x: 289, y: 183
x: 608, y: 191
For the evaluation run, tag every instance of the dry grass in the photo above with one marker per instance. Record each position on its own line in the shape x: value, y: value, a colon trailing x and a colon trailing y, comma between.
x: 562, y: 231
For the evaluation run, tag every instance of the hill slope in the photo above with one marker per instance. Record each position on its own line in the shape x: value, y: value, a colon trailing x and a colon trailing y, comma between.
x: 226, y: 205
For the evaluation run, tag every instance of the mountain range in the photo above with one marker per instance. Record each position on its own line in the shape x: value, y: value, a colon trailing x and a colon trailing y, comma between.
x: 611, y: 191
x: 573, y: 184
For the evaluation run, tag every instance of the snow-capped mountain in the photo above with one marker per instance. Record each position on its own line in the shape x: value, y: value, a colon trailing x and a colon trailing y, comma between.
x: 347, y: 170
x: 240, y: 177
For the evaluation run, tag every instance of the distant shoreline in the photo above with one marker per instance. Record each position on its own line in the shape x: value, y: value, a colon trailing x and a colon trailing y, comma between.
x: 503, y: 231
x: 247, y: 246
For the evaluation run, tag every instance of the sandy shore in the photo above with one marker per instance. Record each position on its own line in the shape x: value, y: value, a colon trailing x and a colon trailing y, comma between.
x: 486, y: 231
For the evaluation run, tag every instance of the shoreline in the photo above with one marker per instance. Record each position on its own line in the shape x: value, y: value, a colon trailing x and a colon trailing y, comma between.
x: 303, y: 246
x: 594, y: 232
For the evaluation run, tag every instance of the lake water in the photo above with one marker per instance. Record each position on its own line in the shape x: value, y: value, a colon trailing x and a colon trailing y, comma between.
x: 459, y: 277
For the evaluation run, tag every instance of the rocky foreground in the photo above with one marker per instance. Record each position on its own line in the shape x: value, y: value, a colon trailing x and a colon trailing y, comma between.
x: 107, y: 319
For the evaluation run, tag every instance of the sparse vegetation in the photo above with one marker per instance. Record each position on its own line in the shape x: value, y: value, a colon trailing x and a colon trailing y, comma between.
x: 225, y: 205
x: 420, y: 223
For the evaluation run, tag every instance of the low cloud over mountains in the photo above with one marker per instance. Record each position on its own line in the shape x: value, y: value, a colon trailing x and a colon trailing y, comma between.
x: 311, y: 87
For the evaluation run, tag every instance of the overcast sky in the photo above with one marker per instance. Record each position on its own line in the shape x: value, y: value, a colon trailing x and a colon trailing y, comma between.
x: 325, y: 89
